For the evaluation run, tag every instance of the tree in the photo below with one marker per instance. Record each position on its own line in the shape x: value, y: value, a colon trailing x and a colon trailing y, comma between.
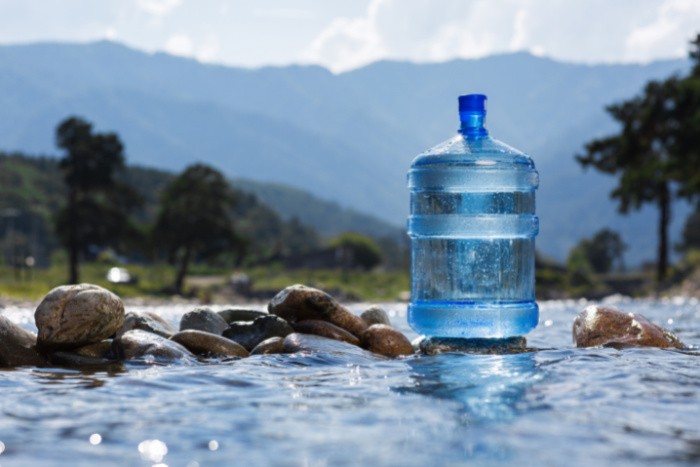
x: 599, y: 253
x: 193, y: 222
x: 657, y: 149
x: 357, y: 250
x: 97, y: 207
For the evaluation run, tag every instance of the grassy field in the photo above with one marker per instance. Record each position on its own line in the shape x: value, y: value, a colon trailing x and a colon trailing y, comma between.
x: 154, y: 281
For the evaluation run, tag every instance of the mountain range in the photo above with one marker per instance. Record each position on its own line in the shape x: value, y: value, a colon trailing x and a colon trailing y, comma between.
x: 347, y: 138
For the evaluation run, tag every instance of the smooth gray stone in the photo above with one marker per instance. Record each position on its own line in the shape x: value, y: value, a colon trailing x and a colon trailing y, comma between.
x: 203, y: 319
x: 73, y: 360
x: 375, y: 315
x: 232, y: 315
x: 251, y: 333
x: 17, y: 346
x: 146, y: 321
x: 137, y: 343
x: 438, y: 345
x: 297, y: 342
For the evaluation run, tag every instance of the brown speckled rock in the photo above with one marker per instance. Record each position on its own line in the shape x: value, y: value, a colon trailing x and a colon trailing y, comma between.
x: 325, y: 329
x: 146, y: 321
x: 387, y: 341
x: 205, y: 343
x: 609, y: 327
x: 17, y: 346
x: 272, y: 345
x: 73, y: 316
x: 102, y: 349
x: 375, y: 315
x: 299, y: 303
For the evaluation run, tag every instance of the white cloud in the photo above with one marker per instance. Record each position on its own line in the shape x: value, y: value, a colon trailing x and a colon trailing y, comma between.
x: 157, y: 7
x: 574, y: 30
x: 180, y: 44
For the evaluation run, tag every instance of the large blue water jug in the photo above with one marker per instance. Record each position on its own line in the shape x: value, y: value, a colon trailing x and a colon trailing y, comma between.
x: 472, y: 228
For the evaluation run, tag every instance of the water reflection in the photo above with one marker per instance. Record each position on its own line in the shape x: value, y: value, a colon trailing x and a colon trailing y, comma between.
x: 489, y: 387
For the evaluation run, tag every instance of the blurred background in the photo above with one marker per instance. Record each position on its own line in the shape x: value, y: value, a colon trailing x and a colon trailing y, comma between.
x: 223, y: 149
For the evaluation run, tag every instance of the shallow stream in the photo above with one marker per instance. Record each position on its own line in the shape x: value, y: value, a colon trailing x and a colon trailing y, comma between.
x: 562, y: 406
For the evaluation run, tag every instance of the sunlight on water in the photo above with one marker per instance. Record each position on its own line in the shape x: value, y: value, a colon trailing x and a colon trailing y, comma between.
x: 558, y: 406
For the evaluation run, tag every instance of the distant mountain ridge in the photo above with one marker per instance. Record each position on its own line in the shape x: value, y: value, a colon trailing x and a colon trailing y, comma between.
x: 347, y: 138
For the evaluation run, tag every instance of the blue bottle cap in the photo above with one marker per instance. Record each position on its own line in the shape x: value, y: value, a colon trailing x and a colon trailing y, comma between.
x: 472, y: 103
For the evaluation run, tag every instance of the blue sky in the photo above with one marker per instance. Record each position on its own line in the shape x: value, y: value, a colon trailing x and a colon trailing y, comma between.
x: 346, y: 34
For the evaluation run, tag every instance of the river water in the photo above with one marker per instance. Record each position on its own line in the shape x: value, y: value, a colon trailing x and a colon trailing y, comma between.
x: 558, y: 406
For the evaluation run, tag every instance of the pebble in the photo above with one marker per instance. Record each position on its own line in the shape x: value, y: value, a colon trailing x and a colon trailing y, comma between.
x: 203, y: 319
x: 102, y: 349
x: 232, y: 315
x: 208, y: 344
x: 17, y: 346
x: 146, y: 321
x: 375, y: 315
x: 387, y: 341
x: 609, y: 327
x: 72, y: 316
x: 506, y: 346
x: 137, y: 343
x: 325, y: 329
x: 251, y: 333
x: 298, y: 342
x: 273, y: 345
x: 299, y: 302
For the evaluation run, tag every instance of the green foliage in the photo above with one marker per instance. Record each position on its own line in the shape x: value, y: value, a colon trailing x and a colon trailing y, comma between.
x: 599, y: 253
x: 194, y: 220
x: 651, y: 153
x: 97, y: 206
x: 357, y: 250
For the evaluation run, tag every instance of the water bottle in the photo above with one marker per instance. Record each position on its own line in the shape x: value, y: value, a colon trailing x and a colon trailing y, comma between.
x: 472, y: 228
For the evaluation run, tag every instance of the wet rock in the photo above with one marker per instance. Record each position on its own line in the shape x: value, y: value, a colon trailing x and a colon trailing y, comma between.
x: 17, y: 346
x: 73, y: 360
x: 387, y: 341
x: 232, y: 315
x: 251, y: 333
x: 208, y: 344
x: 375, y: 315
x: 72, y: 316
x: 102, y: 349
x: 297, y: 342
x: 438, y: 345
x: 203, y: 319
x: 325, y: 329
x: 146, y: 321
x: 269, y: 346
x: 610, y: 327
x: 137, y: 343
x: 299, y: 303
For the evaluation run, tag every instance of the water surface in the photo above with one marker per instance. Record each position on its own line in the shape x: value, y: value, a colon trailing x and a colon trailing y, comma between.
x: 562, y: 406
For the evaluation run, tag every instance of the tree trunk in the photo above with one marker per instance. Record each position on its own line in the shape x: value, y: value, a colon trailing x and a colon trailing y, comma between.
x: 73, y: 242
x: 182, y: 270
x: 664, y: 220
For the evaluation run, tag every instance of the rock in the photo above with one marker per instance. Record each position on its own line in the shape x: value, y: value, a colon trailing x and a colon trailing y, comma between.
x: 146, y: 321
x: 232, y: 315
x: 72, y: 316
x: 297, y: 342
x: 102, y: 349
x: 205, y: 343
x: 137, y: 343
x: 298, y: 303
x: 325, y: 329
x: 73, y: 360
x: 375, y: 315
x: 17, y: 346
x: 269, y: 346
x: 203, y: 319
x: 609, y: 327
x: 251, y: 333
x: 387, y: 341
x: 509, y: 345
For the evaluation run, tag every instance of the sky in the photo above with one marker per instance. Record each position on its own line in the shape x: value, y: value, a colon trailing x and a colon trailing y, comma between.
x: 346, y: 34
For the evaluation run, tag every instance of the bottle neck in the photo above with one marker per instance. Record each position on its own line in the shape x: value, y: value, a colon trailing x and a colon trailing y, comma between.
x: 472, y: 124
